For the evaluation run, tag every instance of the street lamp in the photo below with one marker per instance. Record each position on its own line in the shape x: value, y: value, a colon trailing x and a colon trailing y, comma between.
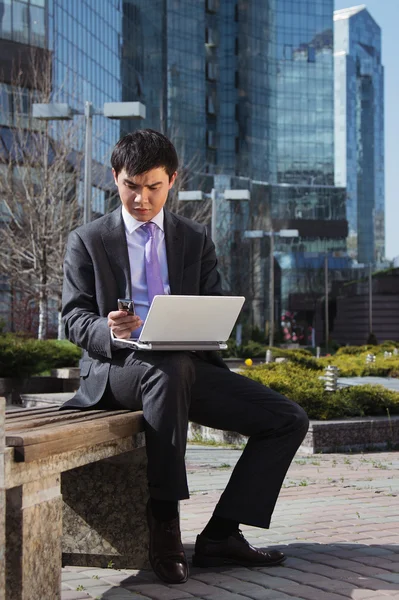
x: 111, y: 110
x: 283, y: 233
x: 227, y: 195
x: 326, y: 303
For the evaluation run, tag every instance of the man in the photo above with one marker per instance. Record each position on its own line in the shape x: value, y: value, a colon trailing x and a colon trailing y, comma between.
x: 139, y: 248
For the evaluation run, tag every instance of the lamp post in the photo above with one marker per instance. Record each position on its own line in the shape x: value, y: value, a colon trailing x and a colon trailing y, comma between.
x: 259, y: 233
x: 326, y: 300
x: 370, y: 299
x: 111, y: 110
x: 284, y: 233
x: 229, y: 195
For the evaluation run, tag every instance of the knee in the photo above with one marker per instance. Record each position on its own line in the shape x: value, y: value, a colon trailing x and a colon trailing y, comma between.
x: 180, y: 367
x: 300, y: 420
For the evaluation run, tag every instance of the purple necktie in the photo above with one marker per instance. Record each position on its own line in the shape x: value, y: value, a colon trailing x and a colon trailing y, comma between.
x: 152, y: 266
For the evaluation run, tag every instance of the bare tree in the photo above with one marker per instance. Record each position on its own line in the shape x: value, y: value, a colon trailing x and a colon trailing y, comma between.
x: 38, y: 185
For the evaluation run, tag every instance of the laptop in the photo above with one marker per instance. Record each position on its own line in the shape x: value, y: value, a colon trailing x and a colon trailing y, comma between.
x: 187, y: 323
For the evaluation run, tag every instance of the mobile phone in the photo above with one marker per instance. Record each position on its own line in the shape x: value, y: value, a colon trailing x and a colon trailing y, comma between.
x: 127, y: 305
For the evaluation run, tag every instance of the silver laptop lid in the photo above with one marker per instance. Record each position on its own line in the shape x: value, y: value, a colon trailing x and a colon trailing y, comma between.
x: 191, y: 318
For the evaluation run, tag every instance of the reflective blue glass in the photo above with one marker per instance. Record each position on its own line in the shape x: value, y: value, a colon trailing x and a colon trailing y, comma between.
x: 359, y: 129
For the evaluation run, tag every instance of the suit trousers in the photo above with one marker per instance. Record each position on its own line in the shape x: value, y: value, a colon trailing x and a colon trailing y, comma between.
x: 174, y: 387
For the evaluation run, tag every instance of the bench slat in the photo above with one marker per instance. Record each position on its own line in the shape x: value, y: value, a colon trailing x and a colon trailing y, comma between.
x: 44, y: 415
x: 30, y: 446
x: 35, y: 421
x: 15, y: 414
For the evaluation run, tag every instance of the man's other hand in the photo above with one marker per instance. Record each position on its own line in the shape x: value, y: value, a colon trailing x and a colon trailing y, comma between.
x: 122, y: 324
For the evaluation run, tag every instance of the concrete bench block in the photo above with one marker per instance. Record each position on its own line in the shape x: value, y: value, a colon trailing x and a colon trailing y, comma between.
x: 2, y: 501
x: 104, y: 521
x: 33, y: 540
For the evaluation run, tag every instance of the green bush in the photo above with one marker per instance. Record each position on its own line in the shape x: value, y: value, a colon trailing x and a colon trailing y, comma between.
x: 354, y: 350
x: 387, y: 346
x: 356, y: 366
x: 372, y: 340
x: 253, y: 349
x: 26, y: 357
x: 305, y: 387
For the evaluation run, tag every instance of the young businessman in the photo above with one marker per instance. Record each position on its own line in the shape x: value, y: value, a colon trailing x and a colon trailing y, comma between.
x: 136, y: 251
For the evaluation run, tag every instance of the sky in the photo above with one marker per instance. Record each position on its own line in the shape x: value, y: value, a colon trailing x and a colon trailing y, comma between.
x: 386, y: 15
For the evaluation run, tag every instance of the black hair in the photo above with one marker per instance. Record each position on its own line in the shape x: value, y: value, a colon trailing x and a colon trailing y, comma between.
x: 142, y: 150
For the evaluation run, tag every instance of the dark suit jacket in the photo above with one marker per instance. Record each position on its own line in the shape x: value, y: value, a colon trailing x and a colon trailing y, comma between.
x: 97, y: 273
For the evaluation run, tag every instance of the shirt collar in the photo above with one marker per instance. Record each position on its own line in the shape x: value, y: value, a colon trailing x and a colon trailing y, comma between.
x: 131, y: 224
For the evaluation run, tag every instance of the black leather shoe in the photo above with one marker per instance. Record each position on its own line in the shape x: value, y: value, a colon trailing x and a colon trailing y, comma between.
x: 166, y: 552
x: 235, y: 550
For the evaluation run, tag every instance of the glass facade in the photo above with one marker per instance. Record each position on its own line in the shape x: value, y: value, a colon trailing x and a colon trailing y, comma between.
x: 359, y: 130
x: 303, y: 195
x: 24, y: 21
x: 305, y: 92
x: 85, y: 39
x: 255, y: 89
x: 245, y: 88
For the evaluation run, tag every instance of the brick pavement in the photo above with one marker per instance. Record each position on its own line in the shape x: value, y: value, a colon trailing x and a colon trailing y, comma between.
x: 337, y: 518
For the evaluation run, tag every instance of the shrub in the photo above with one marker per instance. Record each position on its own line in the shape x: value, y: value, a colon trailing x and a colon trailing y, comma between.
x: 253, y: 349
x: 353, y: 350
x: 26, y: 357
x: 305, y: 387
x: 356, y: 366
x: 372, y: 340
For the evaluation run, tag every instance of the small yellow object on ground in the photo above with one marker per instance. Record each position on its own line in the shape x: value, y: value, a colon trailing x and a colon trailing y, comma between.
x: 248, y: 362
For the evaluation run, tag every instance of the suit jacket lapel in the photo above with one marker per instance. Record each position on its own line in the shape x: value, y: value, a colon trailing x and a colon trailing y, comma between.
x: 174, y: 242
x: 115, y: 244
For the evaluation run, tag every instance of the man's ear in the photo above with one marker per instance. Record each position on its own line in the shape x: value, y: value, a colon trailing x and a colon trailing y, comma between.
x: 115, y: 176
x: 172, y: 179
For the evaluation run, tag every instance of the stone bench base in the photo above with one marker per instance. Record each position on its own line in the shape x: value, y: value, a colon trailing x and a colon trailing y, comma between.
x: 104, y: 520
x: 340, y: 435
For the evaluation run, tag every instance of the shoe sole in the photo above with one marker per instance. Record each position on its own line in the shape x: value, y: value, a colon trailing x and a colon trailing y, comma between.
x: 210, y: 561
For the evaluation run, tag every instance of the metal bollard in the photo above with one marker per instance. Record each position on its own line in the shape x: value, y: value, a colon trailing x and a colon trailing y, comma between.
x: 331, y: 379
x: 318, y: 352
x: 269, y: 356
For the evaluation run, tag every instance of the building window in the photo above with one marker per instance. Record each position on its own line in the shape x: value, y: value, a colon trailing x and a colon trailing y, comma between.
x: 5, y: 21
x: 211, y: 37
x: 211, y: 139
x: 20, y: 21
x: 288, y: 52
x: 212, y: 6
x: 211, y: 71
x: 311, y: 54
x: 210, y: 106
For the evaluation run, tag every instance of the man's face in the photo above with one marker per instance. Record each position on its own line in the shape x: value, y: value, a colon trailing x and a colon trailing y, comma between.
x: 145, y: 194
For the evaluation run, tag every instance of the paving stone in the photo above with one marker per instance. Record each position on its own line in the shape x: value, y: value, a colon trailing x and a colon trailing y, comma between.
x: 340, y: 536
x: 157, y: 591
x: 86, y: 582
x: 72, y: 595
x: 106, y: 593
x: 71, y: 575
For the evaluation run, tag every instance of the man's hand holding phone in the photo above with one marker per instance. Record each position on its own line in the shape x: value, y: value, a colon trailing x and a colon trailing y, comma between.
x: 123, y: 321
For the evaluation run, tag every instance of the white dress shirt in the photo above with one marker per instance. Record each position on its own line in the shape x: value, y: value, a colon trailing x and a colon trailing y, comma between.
x: 136, y: 240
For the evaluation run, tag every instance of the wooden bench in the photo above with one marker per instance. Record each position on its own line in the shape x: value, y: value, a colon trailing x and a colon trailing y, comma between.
x: 73, y: 489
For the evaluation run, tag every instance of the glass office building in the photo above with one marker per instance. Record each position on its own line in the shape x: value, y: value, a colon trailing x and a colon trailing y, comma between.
x: 245, y: 88
x: 303, y: 195
x: 359, y: 129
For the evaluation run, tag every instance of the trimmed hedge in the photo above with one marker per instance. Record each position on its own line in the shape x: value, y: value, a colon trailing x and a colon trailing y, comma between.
x: 355, y: 365
x: 26, y: 357
x: 304, y: 386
